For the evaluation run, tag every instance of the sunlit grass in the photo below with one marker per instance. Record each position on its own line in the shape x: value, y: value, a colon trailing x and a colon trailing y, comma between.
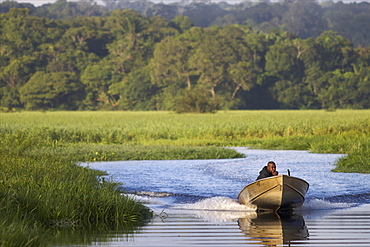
x: 159, y: 135
x: 43, y: 192
x: 109, y: 152
x: 228, y: 128
x: 42, y: 188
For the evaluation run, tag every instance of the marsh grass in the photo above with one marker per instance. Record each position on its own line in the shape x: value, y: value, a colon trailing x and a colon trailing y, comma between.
x: 110, y: 152
x: 159, y: 135
x: 15, y: 231
x: 42, y: 189
x: 52, y: 192
x: 147, y: 127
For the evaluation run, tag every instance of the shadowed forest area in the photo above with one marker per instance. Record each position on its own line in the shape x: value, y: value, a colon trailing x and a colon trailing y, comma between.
x: 186, y: 57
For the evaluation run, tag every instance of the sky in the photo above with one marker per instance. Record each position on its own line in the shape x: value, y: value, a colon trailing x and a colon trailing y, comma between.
x: 41, y: 2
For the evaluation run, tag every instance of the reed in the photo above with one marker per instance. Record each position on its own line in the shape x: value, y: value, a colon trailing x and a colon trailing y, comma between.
x: 109, y: 152
x: 42, y: 188
x: 52, y: 192
x: 162, y: 133
x: 147, y: 127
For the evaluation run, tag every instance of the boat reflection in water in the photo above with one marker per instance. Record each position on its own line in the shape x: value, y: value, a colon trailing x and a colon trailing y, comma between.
x: 274, y: 229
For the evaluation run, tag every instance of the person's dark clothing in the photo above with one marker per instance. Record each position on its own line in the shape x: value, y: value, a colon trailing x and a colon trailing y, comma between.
x: 264, y: 173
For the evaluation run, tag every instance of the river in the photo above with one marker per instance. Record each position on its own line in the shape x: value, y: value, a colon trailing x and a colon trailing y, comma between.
x: 195, y: 202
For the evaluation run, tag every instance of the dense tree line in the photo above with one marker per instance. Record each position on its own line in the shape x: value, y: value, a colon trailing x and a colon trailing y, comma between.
x: 304, y: 18
x: 127, y: 61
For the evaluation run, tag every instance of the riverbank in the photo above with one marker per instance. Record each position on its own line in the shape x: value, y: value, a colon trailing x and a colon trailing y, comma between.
x: 41, y: 195
x: 165, y: 135
x: 195, y: 202
x: 42, y: 188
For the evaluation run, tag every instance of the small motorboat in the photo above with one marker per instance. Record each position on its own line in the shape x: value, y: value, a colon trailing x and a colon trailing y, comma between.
x: 275, y: 193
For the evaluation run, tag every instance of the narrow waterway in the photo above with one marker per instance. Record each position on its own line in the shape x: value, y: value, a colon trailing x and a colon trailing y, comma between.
x: 195, y: 203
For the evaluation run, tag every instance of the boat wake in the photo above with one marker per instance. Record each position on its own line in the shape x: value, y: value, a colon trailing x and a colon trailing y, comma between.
x: 322, y: 205
x: 218, y: 209
x: 219, y: 203
x: 225, y: 209
x: 319, y: 208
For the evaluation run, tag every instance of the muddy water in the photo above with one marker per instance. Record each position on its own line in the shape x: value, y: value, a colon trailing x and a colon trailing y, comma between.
x: 195, y: 203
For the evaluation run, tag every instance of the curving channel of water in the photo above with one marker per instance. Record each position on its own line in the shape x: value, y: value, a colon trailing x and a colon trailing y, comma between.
x: 195, y: 203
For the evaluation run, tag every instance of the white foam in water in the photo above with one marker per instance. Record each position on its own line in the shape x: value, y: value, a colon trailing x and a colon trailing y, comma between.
x: 147, y: 199
x: 224, y: 216
x: 219, y: 203
x: 219, y: 209
x: 317, y: 208
x: 226, y: 178
x: 317, y: 204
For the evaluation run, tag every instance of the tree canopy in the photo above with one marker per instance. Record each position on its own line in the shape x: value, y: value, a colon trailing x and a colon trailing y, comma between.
x: 124, y: 60
x: 304, y: 18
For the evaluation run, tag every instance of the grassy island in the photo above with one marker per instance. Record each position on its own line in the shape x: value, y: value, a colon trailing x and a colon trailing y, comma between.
x: 42, y: 188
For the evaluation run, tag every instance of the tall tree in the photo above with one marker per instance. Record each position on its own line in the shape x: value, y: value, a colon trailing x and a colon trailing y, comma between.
x: 345, y: 90
x: 335, y: 51
x: 285, y: 62
x: 170, y: 63
x: 181, y: 23
x: 51, y: 90
x: 97, y: 79
x: 244, y: 64
x: 18, y: 71
x: 135, y: 91
x: 210, y: 61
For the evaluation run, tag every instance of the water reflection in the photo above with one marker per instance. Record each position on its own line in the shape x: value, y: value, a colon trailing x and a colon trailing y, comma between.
x: 88, y: 236
x: 199, y: 202
x: 273, y: 229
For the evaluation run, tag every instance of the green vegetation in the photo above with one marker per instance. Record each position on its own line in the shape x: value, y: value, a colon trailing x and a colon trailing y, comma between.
x: 165, y: 135
x: 44, y: 193
x: 109, y: 152
x: 81, y: 56
x: 127, y: 61
x: 42, y: 188
x: 306, y: 18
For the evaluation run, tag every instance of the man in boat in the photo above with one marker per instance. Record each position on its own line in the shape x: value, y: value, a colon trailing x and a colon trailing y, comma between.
x: 268, y: 171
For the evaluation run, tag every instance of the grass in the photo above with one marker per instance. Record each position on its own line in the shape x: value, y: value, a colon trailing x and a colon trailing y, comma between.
x: 41, y: 187
x: 47, y: 192
x: 109, y: 152
x: 164, y: 135
x: 234, y: 127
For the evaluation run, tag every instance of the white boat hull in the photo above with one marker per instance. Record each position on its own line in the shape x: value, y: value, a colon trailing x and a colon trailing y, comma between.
x: 275, y: 193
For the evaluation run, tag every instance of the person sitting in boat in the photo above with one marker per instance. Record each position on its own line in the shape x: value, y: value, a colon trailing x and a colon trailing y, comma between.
x: 268, y: 171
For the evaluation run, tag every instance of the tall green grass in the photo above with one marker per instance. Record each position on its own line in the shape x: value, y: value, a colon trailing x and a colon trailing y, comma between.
x: 109, y: 152
x: 223, y: 128
x: 39, y: 193
x: 42, y: 188
x: 159, y: 135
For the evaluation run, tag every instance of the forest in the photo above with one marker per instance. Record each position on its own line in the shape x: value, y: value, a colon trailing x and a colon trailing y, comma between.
x: 184, y: 57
